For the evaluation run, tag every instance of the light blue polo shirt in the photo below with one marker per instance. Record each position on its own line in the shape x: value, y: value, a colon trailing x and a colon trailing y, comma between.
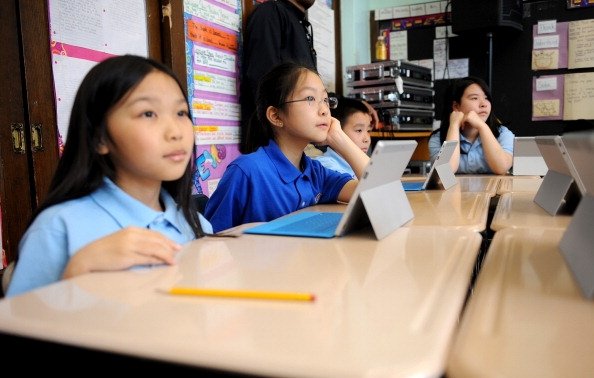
x: 472, y: 155
x: 264, y: 185
x: 63, y: 229
x: 332, y: 160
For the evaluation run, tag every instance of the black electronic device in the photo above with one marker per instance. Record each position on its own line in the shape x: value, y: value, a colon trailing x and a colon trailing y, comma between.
x: 406, y: 119
x: 486, y: 15
x: 385, y: 73
x: 390, y: 96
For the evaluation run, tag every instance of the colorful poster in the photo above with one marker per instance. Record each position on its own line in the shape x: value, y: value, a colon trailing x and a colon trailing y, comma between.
x: 212, y: 30
x: 547, y: 97
x: 549, y: 47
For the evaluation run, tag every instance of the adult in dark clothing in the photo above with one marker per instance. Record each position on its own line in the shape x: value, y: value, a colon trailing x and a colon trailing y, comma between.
x: 277, y: 31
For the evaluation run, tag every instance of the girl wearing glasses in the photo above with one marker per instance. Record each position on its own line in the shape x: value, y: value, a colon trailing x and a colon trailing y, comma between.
x: 275, y: 177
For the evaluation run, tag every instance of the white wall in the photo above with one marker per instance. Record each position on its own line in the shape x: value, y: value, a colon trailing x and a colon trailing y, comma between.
x: 354, y: 24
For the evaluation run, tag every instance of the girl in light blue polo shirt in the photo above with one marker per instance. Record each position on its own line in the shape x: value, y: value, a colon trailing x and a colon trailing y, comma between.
x: 485, y: 144
x: 276, y: 177
x: 121, y: 194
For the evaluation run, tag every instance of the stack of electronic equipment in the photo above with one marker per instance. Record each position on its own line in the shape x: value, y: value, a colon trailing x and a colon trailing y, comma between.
x: 401, y: 92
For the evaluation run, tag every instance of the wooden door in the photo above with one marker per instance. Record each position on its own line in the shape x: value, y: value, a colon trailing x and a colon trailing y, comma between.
x: 28, y: 124
x: 26, y: 110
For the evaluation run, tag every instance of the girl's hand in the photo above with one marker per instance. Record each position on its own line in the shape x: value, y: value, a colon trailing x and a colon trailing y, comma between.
x: 457, y: 119
x: 473, y: 120
x: 335, y: 134
x: 121, y: 250
x: 375, y: 123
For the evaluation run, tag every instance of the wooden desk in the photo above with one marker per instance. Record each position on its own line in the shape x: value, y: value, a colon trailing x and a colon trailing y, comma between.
x: 518, y: 209
x: 450, y: 208
x: 466, y: 183
x: 422, y: 138
x: 528, y: 184
x: 479, y: 183
x: 383, y: 308
x: 526, y: 317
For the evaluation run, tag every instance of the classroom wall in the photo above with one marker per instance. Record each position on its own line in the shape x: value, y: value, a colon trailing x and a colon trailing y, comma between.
x: 354, y: 21
x: 511, y: 64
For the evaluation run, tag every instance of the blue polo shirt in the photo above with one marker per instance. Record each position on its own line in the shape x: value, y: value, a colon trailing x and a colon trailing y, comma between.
x: 472, y: 155
x: 62, y: 230
x: 332, y: 160
x: 264, y: 185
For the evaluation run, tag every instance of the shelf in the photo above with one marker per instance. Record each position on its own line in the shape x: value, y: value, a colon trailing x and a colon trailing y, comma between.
x: 400, y: 134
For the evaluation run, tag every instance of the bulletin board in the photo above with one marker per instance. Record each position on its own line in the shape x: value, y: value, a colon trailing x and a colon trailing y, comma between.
x: 212, y: 37
x: 574, y: 70
x: 568, y: 46
x: 85, y: 32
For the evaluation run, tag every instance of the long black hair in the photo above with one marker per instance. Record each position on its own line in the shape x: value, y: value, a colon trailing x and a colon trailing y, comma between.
x: 81, y: 169
x: 453, y: 94
x: 274, y: 89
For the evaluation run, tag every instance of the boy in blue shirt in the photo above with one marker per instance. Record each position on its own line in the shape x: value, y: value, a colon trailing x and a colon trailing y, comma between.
x: 355, y: 120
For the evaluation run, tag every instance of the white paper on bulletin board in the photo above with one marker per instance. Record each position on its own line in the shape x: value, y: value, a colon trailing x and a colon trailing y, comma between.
x: 85, y: 32
x: 318, y: 15
x: 399, y: 45
x: 456, y: 68
x: 579, y: 96
x: 581, y: 44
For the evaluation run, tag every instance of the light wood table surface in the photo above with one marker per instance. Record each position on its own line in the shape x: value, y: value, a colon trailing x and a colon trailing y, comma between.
x: 528, y: 184
x: 518, y: 209
x: 527, y: 316
x: 382, y: 308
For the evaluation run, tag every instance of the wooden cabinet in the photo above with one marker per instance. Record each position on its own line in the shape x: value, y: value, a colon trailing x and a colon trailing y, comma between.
x: 28, y: 141
x: 28, y: 123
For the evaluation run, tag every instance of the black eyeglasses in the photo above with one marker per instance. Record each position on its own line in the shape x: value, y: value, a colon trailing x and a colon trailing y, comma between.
x: 330, y: 102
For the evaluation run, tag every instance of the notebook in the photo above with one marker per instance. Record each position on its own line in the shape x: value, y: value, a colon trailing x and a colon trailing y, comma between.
x: 528, y: 160
x: 441, y: 174
x: 378, y: 199
x: 561, y: 188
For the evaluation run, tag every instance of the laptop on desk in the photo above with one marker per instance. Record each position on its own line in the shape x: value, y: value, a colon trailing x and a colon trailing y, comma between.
x: 379, y: 200
x: 561, y: 188
x: 441, y: 174
x: 580, y: 150
x: 528, y: 160
x: 578, y: 239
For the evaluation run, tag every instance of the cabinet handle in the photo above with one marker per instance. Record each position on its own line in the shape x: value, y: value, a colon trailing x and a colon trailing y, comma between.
x: 36, y: 137
x: 18, y: 137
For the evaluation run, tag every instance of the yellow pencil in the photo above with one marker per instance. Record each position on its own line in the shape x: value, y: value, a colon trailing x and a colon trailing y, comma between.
x: 244, y: 294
